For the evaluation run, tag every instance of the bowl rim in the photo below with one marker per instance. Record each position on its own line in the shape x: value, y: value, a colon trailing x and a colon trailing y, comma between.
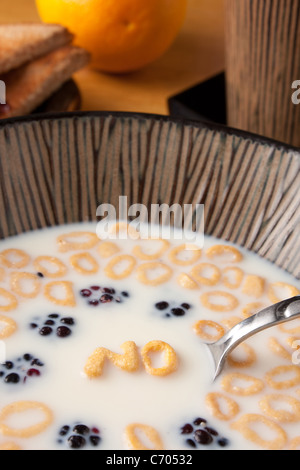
x: 201, y: 124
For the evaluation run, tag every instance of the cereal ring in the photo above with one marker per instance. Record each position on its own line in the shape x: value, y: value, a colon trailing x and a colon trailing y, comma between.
x: 12, y: 301
x: 108, y: 249
x: 9, y: 328
x: 110, y: 267
x: 170, y: 358
x: 160, y: 279
x: 87, y: 259
x: 252, y: 309
x: 232, y: 302
x: 194, y: 249
x: 292, y: 291
x: 216, y: 250
x: 13, y: 258
x: 295, y: 444
x: 254, y: 286
x: 231, y: 321
x: 283, y: 416
x: 2, y: 274
x: 247, y: 362
x: 278, y: 349
x: 256, y: 385
x: 68, y: 300
x: 238, y: 277
x: 295, y: 330
x: 201, y: 327
x: 279, y: 385
x: 19, y: 277
x: 18, y: 407
x: 214, y: 277
x: 124, y: 228
x: 139, y: 253
x: 10, y: 446
x: 61, y: 268
x: 129, y: 361
x: 213, y: 404
x: 184, y: 280
x: 243, y: 425
x: 73, y: 241
x: 152, y: 435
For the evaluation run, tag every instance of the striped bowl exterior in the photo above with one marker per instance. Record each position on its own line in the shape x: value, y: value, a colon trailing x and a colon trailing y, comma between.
x: 57, y: 170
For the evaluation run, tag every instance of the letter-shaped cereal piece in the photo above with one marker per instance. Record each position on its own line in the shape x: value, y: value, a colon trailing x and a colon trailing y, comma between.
x: 151, y: 434
x: 11, y: 301
x: 18, y: 278
x: 129, y: 361
x: 243, y: 424
x: 68, y: 300
x: 77, y: 241
x: 22, y: 406
x: 170, y: 358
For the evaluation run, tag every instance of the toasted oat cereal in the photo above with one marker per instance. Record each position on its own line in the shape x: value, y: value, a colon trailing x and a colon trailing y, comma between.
x: 2, y: 274
x: 213, y: 279
x: 230, y: 322
x: 124, y: 230
x: 232, y: 277
x: 170, y: 358
x: 108, y: 249
x: 243, y: 424
x: 135, y: 443
x: 290, y: 291
x: 254, y: 286
x: 278, y: 349
x: 69, y: 298
x: 193, y: 250
x: 282, y: 370
x: 249, y: 360
x: 9, y: 328
x: 19, y: 407
x: 186, y: 281
x: 58, y: 268
x: 77, y: 241
x: 110, y: 268
x: 18, y: 278
x: 294, y: 444
x: 202, y: 328
x: 129, y: 361
x: 281, y: 415
x: 10, y: 446
x: 144, y: 269
x: 10, y: 301
x: 14, y: 258
x: 140, y: 254
x: 229, y: 384
x: 252, y: 309
x: 213, y: 403
x: 79, y: 261
x: 221, y: 250
x: 231, y: 302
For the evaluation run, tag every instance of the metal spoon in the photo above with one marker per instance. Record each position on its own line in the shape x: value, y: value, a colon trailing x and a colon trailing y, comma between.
x: 271, y: 316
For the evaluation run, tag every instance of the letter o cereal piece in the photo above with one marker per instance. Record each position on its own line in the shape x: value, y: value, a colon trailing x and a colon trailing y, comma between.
x: 291, y: 291
x: 213, y: 403
x: 238, y: 277
x: 256, y: 385
x: 284, y: 384
x: 11, y: 299
x: 61, y: 268
x: 139, y: 253
x: 16, y: 281
x: 243, y: 424
x: 247, y: 362
x: 19, y: 407
x: 73, y: 241
x: 108, y: 249
x: 78, y: 258
x: 194, y: 249
x: 231, y: 301
x: 170, y: 358
x: 68, y: 300
x: 143, y: 269
x: 252, y: 309
x: 202, y: 326
x: 281, y: 415
x: 9, y: 328
x: 152, y: 435
x: 219, y: 250
x: 21, y: 258
x: 110, y: 267
x: 186, y: 281
x: 214, y: 278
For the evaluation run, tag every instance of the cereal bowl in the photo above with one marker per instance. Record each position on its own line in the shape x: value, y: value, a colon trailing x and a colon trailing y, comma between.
x: 60, y: 280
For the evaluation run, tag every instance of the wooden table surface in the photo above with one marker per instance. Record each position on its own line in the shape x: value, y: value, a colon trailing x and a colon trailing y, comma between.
x: 196, y: 54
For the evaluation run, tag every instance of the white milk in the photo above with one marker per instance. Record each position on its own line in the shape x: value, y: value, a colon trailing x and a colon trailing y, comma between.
x: 118, y: 398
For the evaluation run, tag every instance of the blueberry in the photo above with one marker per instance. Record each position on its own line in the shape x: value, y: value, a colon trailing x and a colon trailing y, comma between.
x: 63, y: 331
x: 203, y: 437
x: 81, y: 429
x: 162, y: 305
x: 95, y: 440
x: 178, y: 312
x: 45, y: 331
x: 187, y: 429
x: 191, y: 443
x: 12, y: 378
x: 76, y: 442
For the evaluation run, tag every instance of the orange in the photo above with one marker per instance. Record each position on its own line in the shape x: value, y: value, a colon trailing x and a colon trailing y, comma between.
x: 121, y: 35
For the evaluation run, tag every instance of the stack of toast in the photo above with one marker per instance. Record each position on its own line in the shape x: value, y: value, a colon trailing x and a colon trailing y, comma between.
x: 35, y: 61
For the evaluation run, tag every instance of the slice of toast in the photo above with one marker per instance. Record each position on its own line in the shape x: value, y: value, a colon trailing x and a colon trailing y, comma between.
x: 21, y: 43
x: 32, y: 83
